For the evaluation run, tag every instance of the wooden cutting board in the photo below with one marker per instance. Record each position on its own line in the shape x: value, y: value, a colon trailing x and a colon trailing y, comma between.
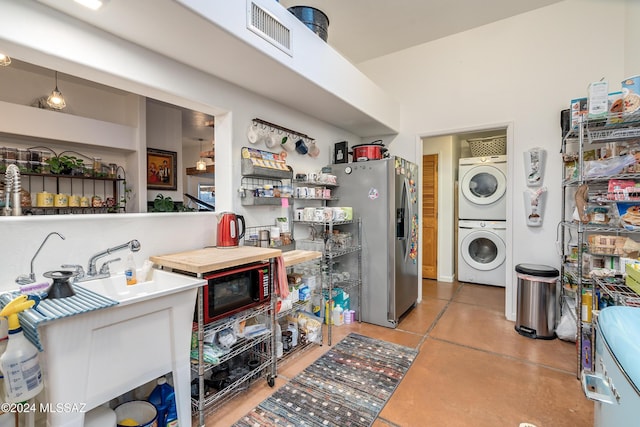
x: 214, y: 259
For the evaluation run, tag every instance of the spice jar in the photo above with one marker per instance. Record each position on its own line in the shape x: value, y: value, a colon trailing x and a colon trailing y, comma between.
x: 97, y: 165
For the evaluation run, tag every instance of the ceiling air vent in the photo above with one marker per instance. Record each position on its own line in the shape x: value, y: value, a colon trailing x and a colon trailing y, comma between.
x: 268, y: 27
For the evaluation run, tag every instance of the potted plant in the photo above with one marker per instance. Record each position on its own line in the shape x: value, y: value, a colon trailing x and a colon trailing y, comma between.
x: 166, y: 204
x: 64, y: 165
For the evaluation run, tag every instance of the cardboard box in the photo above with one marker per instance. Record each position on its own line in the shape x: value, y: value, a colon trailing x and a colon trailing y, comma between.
x: 578, y: 108
x: 598, y: 100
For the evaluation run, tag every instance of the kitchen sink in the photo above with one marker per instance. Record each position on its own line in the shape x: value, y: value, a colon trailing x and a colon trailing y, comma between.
x: 96, y: 356
x: 159, y: 283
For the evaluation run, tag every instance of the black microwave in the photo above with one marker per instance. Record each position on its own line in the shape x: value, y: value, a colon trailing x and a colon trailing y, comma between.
x: 233, y: 290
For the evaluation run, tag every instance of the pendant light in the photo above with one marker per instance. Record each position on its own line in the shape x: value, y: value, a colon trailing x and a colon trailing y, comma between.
x: 201, y: 165
x: 4, y: 60
x: 56, y: 100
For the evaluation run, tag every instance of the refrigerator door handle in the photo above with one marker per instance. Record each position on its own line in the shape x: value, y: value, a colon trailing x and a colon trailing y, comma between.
x: 402, y: 214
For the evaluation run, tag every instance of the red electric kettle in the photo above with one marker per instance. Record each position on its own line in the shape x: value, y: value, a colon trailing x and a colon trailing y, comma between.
x: 228, y: 233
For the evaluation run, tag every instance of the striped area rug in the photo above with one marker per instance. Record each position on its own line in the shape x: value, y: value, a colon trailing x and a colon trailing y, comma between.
x: 347, y: 386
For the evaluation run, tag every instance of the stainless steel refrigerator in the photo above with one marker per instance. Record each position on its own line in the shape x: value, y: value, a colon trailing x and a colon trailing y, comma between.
x: 383, y: 193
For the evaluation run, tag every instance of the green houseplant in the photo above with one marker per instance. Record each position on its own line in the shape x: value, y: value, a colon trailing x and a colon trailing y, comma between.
x: 65, y: 165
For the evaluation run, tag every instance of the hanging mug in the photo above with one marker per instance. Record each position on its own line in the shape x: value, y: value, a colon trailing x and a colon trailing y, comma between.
x: 252, y: 133
x: 314, y: 151
x: 301, y: 146
x: 288, y: 144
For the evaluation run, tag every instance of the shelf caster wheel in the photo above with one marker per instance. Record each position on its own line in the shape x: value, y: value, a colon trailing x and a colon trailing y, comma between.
x: 271, y: 381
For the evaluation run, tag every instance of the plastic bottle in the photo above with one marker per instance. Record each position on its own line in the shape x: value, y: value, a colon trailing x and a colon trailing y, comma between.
x: 159, y: 397
x: 337, y: 315
x: 294, y: 334
x: 130, y: 270
x: 19, y: 363
x: 172, y: 414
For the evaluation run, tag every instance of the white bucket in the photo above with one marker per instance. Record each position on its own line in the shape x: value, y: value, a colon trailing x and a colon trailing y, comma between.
x: 143, y: 412
x: 100, y: 417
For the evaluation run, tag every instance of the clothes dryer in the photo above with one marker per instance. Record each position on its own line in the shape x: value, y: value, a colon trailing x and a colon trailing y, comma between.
x: 482, y: 188
x: 482, y: 252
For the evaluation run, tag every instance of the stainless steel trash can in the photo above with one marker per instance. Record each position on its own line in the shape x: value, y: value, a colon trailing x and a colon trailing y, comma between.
x: 537, y: 301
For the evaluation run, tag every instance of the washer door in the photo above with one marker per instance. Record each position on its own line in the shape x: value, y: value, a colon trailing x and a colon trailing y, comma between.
x: 483, y: 184
x: 483, y: 250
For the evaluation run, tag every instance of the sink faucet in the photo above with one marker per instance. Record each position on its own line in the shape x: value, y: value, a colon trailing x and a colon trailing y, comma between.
x: 23, y: 279
x: 92, y: 270
x: 12, y: 189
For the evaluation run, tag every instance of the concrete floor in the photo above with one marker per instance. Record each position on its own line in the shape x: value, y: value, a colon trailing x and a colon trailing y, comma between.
x: 473, y: 369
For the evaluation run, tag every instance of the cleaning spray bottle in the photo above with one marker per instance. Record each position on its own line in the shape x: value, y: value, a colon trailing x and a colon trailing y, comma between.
x: 20, y: 363
x: 130, y: 270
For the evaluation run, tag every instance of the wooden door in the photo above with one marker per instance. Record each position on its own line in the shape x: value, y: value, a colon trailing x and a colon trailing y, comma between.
x: 430, y: 216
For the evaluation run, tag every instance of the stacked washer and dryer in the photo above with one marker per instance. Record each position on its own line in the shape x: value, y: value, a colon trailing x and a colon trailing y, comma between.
x: 482, y: 214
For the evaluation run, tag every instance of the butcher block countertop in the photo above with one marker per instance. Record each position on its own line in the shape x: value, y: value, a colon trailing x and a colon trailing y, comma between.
x: 213, y: 259
x: 298, y: 257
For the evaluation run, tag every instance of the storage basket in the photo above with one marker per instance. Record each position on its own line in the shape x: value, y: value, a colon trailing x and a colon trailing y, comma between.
x: 489, y: 146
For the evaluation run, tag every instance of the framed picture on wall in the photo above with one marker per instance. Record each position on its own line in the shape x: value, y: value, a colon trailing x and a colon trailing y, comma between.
x: 162, y: 169
x: 340, y: 154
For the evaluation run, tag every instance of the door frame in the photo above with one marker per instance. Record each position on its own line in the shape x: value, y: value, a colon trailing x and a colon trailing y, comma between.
x: 447, y: 250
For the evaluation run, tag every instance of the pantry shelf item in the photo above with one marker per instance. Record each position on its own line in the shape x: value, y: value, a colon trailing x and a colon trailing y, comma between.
x: 341, y: 244
x: 295, y: 312
x: 266, y: 179
x: 264, y: 164
x: 600, y: 206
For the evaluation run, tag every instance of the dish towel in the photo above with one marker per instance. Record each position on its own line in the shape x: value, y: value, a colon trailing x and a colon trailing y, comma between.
x: 281, y: 283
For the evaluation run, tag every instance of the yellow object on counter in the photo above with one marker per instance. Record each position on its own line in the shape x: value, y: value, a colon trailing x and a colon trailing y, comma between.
x: 84, y: 202
x: 44, y: 200
x: 61, y: 201
x: 128, y: 422
x: 74, y: 201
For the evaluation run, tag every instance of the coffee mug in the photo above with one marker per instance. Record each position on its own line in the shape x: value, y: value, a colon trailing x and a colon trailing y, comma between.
x: 287, y: 143
x: 252, y: 133
x: 318, y: 215
x: 301, y: 146
x: 314, y: 151
x: 309, y: 214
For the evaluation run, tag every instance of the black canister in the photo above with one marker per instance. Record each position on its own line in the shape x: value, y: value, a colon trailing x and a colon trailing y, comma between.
x: 61, y: 287
x: 287, y: 340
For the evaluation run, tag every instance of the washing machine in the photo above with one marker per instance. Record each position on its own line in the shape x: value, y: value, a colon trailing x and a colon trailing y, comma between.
x: 482, y: 188
x: 482, y: 252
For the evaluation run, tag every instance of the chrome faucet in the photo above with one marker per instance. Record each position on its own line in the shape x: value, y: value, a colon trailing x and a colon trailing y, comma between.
x: 12, y: 189
x: 92, y: 270
x: 23, y: 279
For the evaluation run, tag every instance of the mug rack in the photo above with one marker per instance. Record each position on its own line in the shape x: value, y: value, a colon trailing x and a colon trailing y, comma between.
x: 274, y: 126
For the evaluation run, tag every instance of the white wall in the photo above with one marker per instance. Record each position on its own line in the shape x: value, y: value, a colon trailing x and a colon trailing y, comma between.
x: 632, y: 38
x: 523, y: 71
